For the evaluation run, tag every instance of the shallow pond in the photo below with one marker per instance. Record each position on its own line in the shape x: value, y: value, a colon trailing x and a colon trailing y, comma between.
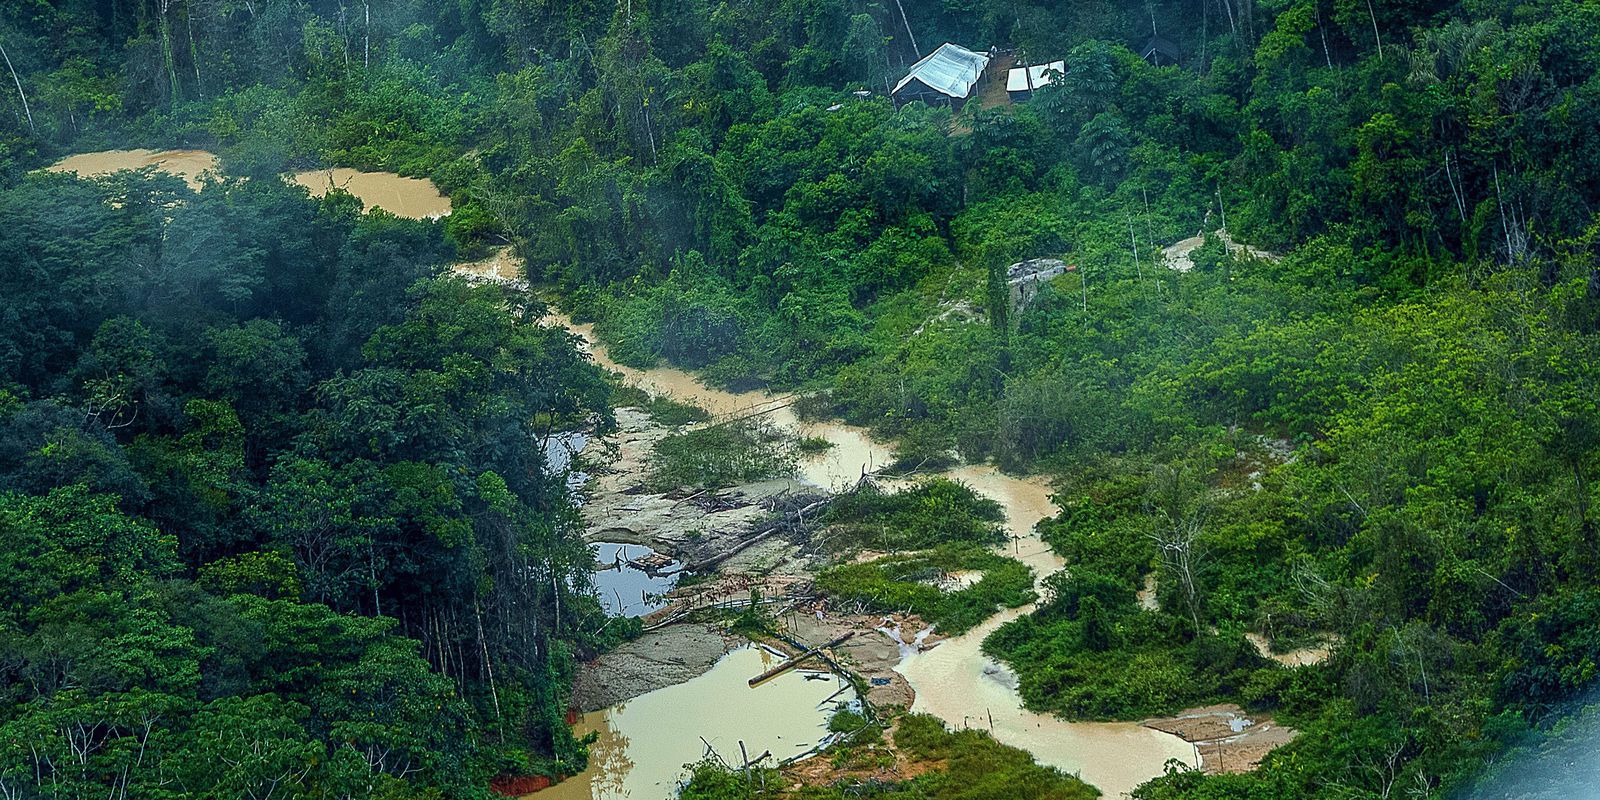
x: 186, y: 164
x: 626, y: 590
x: 413, y: 198
x: 645, y: 743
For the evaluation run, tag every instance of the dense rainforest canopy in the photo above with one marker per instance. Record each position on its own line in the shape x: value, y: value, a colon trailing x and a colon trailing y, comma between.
x: 271, y: 488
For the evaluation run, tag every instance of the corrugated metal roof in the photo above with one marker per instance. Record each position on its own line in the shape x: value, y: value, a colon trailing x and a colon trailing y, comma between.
x: 1016, y: 81
x: 951, y: 69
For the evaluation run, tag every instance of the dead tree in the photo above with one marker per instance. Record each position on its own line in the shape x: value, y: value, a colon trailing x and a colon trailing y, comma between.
x: 1178, y: 517
x: 20, y: 93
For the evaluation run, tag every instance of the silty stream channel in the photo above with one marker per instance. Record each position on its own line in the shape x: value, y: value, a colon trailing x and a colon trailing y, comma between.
x: 645, y: 742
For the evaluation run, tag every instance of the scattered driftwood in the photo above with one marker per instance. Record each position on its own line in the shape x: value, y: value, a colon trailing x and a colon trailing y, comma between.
x: 787, y: 522
x: 799, y: 659
x: 654, y: 564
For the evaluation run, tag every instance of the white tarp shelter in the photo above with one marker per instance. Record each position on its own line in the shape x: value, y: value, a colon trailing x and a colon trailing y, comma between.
x: 1020, y: 81
x: 945, y: 76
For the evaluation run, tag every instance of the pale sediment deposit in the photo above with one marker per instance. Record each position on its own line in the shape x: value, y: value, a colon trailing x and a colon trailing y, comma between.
x: 412, y: 198
x: 500, y: 266
x: 190, y: 165
x: 1298, y: 657
x: 690, y: 526
x: 655, y: 660
x: 645, y: 743
x: 1227, y: 738
x: 1180, y: 255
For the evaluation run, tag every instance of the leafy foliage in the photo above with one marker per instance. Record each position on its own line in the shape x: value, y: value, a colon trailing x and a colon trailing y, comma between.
x: 265, y: 506
x: 930, y: 513
x: 1386, y: 433
x: 723, y: 454
x: 910, y: 584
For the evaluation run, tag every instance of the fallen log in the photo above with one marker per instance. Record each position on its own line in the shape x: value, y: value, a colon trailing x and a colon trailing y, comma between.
x: 782, y: 525
x: 797, y: 660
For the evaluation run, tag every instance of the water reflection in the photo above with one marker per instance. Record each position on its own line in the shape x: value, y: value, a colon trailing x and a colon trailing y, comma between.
x: 644, y: 744
x: 632, y: 578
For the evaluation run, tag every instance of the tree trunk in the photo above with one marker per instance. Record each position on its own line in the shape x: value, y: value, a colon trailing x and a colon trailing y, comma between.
x: 1316, y: 10
x: 1373, y: 14
x: 909, y: 34
x: 20, y: 93
x: 194, y: 52
x: 488, y: 664
x: 167, y: 58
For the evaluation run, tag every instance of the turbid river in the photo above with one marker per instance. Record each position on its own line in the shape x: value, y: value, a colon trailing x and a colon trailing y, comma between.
x: 852, y: 455
x: 413, y: 198
x: 957, y: 683
x: 954, y: 680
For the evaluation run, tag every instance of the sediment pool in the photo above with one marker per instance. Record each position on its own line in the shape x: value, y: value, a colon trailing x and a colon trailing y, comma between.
x: 645, y: 742
x: 413, y: 198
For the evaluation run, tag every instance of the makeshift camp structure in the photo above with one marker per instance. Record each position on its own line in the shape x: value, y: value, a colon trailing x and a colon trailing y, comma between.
x: 947, y: 76
x: 1160, y: 51
x: 1021, y: 81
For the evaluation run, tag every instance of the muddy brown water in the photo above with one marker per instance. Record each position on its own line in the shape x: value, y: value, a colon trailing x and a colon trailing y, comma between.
x: 413, y: 198
x: 953, y: 681
x: 645, y: 743
x: 853, y: 453
x: 957, y: 683
x: 187, y: 164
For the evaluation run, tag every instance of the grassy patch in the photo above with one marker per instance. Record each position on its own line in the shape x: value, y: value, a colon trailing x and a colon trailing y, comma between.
x: 905, y: 584
x: 723, y: 455
x: 968, y: 765
x: 933, y: 512
x: 812, y: 445
x: 1062, y: 660
x: 661, y: 408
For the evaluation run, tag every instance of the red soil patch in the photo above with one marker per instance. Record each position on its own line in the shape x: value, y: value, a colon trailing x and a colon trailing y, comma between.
x: 517, y: 786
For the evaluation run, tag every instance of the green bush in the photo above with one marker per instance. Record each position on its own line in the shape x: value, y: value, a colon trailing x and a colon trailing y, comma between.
x: 905, y: 584
x: 930, y: 513
x: 722, y: 455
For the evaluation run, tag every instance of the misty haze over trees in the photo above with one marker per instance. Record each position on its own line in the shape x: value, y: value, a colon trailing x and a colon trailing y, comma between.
x: 275, y: 517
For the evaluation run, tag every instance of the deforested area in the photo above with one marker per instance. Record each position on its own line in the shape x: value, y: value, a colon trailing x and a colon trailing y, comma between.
x: 716, y: 399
